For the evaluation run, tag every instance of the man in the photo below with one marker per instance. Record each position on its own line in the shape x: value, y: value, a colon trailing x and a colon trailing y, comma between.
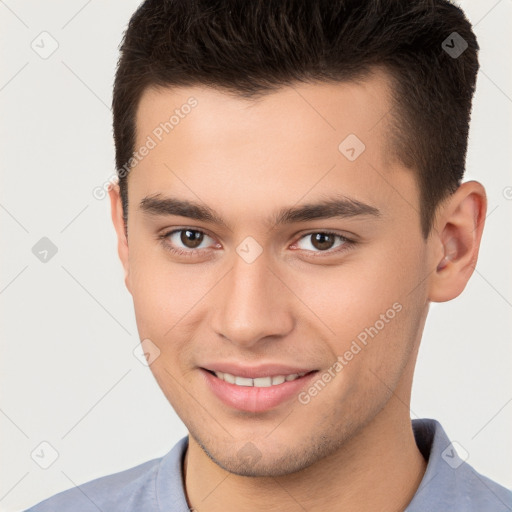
x: 290, y: 200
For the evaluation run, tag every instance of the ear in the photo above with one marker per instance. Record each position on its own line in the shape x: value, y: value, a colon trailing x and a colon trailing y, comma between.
x: 121, y: 231
x: 458, y: 231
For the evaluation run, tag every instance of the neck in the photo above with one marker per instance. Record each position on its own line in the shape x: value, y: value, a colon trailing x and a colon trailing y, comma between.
x: 380, y: 468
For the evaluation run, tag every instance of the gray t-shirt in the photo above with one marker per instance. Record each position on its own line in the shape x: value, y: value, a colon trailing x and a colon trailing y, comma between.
x: 449, y: 484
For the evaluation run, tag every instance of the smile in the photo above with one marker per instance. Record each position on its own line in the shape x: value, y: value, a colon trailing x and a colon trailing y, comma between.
x: 258, y: 382
x: 257, y: 390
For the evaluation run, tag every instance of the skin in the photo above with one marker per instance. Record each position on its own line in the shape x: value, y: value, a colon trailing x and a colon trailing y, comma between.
x: 351, y: 447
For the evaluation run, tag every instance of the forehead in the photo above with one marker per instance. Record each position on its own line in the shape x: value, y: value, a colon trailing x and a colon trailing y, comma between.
x: 294, y: 112
x: 302, y: 139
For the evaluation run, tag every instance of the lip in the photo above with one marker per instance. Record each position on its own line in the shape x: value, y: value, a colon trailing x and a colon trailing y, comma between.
x: 254, y: 399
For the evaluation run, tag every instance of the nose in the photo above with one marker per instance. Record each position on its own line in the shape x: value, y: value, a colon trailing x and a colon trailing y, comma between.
x: 253, y: 305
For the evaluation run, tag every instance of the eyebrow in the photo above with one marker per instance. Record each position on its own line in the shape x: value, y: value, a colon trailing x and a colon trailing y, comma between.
x: 336, y: 207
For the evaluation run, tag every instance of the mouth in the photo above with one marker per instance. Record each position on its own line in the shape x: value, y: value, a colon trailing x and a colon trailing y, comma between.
x: 255, y: 391
x: 257, y: 382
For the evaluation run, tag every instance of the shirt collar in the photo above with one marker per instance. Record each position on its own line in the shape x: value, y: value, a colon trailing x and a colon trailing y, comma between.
x: 448, y: 480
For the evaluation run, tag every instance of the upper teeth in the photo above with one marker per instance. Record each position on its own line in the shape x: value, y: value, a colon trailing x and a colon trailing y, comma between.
x: 260, y: 382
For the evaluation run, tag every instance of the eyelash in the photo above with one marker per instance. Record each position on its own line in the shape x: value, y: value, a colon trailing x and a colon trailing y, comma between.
x: 347, y: 243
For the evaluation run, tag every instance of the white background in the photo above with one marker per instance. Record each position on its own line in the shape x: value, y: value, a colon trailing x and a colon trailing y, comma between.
x: 68, y: 375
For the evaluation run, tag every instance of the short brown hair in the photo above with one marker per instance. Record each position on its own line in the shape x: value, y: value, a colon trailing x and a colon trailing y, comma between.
x: 252, y: 47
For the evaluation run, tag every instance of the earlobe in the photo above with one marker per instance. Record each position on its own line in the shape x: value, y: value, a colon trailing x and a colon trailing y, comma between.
x: 459, y: 230
x: 119, y: 225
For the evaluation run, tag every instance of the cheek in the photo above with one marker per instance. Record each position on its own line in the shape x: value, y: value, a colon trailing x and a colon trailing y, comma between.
x: 155, y: 291
x: 166, y: 295
x: 366, y: 307
x: 349, y: 298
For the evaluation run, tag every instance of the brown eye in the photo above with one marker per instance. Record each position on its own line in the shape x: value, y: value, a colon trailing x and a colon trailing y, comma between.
x: 190, y: 238
x: 188, y: 242
x: 322, y: 241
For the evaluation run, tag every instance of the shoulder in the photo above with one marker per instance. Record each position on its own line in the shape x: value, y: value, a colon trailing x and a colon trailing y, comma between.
x: 131, y: 489
x: 449, y: 482
x: 483, y: 493
x: 111, y: 492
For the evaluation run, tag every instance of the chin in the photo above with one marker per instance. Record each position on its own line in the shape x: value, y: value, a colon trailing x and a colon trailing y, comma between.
x: 253, y: 460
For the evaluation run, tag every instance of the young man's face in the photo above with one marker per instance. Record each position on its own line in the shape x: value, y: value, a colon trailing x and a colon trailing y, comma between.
x: 266, y: 294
